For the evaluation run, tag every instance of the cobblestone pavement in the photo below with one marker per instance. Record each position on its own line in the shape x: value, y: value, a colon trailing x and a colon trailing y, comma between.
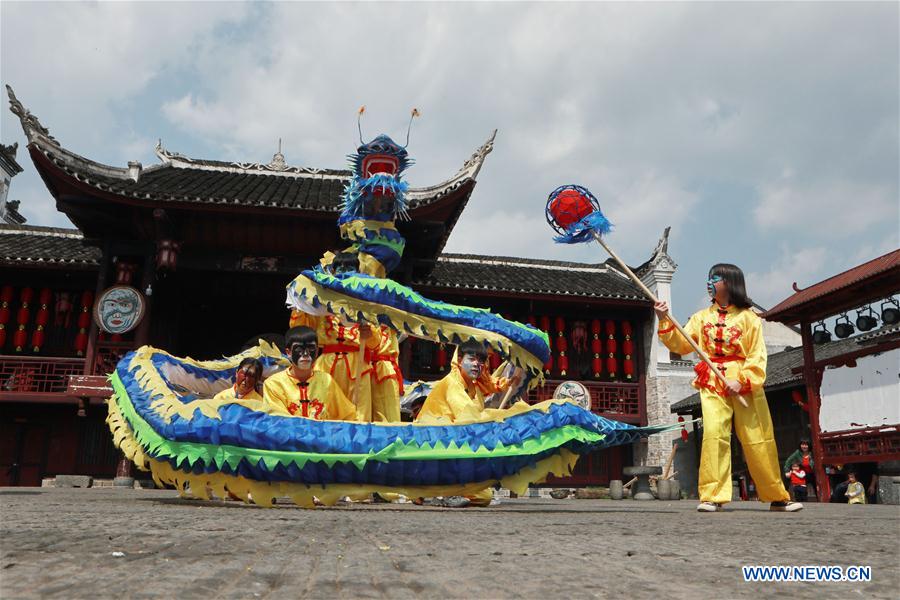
x: 65, y: 543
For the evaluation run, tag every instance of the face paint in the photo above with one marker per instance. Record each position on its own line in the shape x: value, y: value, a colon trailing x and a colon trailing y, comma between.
x: 472, y: 365
x: 303, y: 355
x: 246, y: 379
x: 711, y: 285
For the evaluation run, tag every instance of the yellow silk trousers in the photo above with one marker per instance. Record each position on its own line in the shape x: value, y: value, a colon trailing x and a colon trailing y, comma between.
x: 753, y: 426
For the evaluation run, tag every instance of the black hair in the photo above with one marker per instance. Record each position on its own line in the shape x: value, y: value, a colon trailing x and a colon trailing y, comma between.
x: 734, y: 281
x: 804, y: 441
x: 300, y: 335
x: 344, y: 262
x: 472, y: 347
x: 257, y: 366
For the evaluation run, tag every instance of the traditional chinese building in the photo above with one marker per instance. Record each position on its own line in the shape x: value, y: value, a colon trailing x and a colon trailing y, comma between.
x: 210, y: 246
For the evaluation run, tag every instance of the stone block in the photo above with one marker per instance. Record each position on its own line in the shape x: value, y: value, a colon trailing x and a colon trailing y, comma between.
x: 70, y: 481
x: 591, y: 493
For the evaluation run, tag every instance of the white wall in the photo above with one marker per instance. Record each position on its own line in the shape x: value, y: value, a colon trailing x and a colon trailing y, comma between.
x: 867, y: 395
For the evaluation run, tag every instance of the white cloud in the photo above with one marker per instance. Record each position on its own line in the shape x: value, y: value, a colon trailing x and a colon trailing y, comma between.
x: 647, y: 104
x: 803, y: 266
x: 831, y: 208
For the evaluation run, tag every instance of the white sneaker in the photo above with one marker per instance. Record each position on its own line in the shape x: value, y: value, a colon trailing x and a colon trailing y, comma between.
x: 709, y: 507
x: 785, y: 506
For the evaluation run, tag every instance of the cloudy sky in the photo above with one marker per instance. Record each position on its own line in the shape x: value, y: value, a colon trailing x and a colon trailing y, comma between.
x: 765, y: 134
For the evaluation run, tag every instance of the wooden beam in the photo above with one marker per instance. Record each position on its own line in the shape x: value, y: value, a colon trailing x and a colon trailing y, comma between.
x: 89, y: 386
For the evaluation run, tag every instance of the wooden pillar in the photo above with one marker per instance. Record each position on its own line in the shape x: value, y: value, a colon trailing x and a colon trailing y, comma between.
x: 811, y: 377
x: 90, y: 353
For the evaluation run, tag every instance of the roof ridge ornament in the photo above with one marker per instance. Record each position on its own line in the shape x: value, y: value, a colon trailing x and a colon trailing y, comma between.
x: 278, y: 163
x: 475, y: 161
x: 30, y: 123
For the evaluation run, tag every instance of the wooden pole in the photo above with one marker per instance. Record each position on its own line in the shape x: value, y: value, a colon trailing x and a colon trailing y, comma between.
x: 652, y: 296
x: 513, y: 383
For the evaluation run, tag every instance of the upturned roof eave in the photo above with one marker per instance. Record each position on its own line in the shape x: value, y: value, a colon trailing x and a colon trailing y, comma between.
x: 90, y: 171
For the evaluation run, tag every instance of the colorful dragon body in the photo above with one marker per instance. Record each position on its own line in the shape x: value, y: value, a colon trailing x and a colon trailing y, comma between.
x: 165, y: 419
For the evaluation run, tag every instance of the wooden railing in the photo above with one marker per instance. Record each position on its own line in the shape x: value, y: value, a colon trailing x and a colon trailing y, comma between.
x: 31, y: 375
x: 874, y: 444
x: 620, y: 401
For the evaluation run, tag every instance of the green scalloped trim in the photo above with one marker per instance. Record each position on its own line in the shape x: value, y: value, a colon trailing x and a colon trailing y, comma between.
x: 161, y: 448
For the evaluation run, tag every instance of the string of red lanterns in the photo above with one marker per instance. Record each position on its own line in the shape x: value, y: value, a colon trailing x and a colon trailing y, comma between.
x: 84, y: 322
x: 41, y: 319
x: 6, y: 297
x: 22, y: 317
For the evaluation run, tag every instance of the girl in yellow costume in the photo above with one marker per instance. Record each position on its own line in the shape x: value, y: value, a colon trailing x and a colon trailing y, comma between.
x: 731, y: 335
x: 385, y: 377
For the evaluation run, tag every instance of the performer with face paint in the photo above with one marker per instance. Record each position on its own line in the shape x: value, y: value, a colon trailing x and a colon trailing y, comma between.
x: 340, y: 344
x: 300, y: 390
x: 731, y: 335
x: 459, y: 396
x: 247, y: 382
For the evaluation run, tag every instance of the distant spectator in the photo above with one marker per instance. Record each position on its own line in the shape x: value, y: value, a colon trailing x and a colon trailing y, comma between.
x: 873, y: 489
x: 798, y: 482
x: 802, y: 455
x: 855, y: 490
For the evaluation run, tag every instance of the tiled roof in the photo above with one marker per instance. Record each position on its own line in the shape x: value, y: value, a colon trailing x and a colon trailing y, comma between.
x: 189, y: 180
x: 529, y: 276
x: 876, y: 266
x: 29, y: 245
x: 781, y: 365
x: 195, y: 184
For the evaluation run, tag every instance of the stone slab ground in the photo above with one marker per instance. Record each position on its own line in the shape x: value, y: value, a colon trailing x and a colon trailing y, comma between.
x: 122, y: 543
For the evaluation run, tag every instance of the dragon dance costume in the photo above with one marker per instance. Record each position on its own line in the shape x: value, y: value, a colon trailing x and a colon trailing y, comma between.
x: 732, y: 338
x: 164, y: 418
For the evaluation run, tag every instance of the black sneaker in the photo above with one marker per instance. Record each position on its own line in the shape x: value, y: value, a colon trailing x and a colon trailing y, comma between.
x: 785, y: 506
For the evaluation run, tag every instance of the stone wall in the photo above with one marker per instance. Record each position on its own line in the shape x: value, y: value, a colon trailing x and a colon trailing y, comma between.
x: 671, y: 384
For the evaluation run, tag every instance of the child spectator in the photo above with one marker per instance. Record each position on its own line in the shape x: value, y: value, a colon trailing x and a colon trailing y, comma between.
x: 855, y: 490
x: 798, y: 482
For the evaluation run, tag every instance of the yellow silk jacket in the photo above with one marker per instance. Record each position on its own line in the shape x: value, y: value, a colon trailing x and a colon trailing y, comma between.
x: 731, y: 337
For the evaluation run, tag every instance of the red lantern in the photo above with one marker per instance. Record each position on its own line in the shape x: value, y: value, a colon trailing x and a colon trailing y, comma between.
x: 6, y: 296
x: 569, y: 207
x: 684, y: 433
x: 41, y: 319
x: 37, y: 340
x: 627, y: 350
x: 124, y: 273
x: 563, y: 363
x: 797, y: 397
x: 22, y: 316
x: 611, y: 364
x: 84, y: 322
x: 548, y: 366
x: 167, y: 254
x: 545, y: 324
x: 81, y: 340
x: 597, y: 366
